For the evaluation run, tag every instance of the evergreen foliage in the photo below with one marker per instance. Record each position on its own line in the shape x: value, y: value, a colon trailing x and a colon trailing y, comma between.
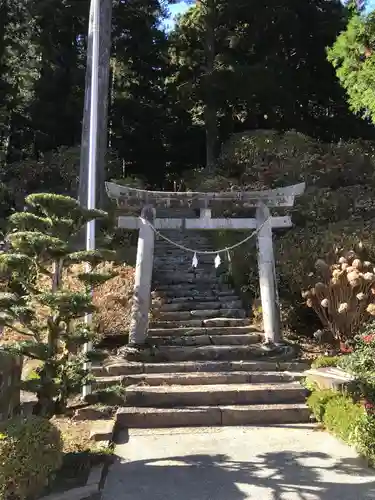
x: 50, y: 317
x: 352, y: 55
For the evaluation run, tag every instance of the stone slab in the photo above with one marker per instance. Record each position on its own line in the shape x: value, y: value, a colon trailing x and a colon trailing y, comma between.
x: 201, y: 322
x: 196, y: 378
x: 203, y: 353
x: 190, y: 305
x: 212, y: 331
x: 330, y: 378
x: 206, y: 340
x: 210, y: 395
x: 102, y: 430
x: 168, y: 417
x: 121, y: 367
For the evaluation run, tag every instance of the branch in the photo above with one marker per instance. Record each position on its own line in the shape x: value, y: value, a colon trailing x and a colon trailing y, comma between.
x: 22, y: 332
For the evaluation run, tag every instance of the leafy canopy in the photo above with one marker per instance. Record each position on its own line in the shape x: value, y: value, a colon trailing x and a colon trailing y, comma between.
x: 353, y: 58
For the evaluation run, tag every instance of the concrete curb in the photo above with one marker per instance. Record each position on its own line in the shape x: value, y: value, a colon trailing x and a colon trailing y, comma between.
x: 102, y: 432
x: 92, y: 487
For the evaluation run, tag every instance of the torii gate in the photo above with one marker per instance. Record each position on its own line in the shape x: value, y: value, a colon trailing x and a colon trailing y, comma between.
x: 148, y: 201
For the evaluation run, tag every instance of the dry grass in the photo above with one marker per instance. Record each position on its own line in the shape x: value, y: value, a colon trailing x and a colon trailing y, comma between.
x: 112, y: 300
x: 75, y: 434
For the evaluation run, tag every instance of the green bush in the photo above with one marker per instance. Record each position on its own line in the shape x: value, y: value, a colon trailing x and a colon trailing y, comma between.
x: 361, y: 362
x: 363, y: 437
x: 342, y: 416
x: 30, y: 452
x: 325, y: 361
x: 318, y: 400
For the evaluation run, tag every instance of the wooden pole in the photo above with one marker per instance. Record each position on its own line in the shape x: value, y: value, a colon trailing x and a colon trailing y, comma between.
x: 105, y: 27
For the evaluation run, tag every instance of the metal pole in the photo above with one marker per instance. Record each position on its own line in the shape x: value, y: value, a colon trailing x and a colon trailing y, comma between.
x: 94, y: 27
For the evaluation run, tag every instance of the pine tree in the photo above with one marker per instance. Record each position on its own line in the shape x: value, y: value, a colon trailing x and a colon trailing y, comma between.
x: 50, y: 318
x: 353, y: 57
x: 270, y: 69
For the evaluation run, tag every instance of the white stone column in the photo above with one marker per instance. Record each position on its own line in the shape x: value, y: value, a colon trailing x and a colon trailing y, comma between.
x: 143, y: 279
x: 267, y: 276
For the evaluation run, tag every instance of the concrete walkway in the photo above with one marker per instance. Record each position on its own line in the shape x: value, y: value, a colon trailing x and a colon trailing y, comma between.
x: 236, y: 463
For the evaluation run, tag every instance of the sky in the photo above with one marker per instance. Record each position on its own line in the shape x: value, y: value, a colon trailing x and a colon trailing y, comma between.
x: 181, y: 7
x: 176, y: 9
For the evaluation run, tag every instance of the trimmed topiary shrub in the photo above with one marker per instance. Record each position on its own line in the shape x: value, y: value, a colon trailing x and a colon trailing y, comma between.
x: 46, y: 312
x: 30, y: 452
x: 342, y: 416
x: 318, y: 400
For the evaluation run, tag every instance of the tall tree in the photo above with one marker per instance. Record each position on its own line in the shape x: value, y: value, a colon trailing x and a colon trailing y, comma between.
x: 140, y: 100
x: 270, y: 68
x: 56, y: 110
x: 18, y: 74
x: 353, y: 57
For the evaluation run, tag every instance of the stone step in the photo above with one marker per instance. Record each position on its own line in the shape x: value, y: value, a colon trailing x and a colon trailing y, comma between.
x: 204, y: 378
x: 210, y: 395
x: 204, y: 353
x: 204, y: 340
x: 195, y: 332
x: 173, y: 252
x: 200, y: 313
x: 118, y: 366
x: 194, y: 291
x: 212, y: 416
x: 196, y: 323
x: 186, y: 268
x: 198, y: 299
x: 184, y: 259
x: 190, y: 305
x: 201, y: 270
x: 184, y: 279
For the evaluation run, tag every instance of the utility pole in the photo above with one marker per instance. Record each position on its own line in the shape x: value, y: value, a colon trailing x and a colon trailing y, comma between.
x: 210, y: 108
x: 98, y: 55
x: 94, y: 127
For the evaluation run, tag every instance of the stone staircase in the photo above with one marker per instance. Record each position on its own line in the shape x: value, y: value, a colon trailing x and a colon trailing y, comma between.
x: 205, y: 363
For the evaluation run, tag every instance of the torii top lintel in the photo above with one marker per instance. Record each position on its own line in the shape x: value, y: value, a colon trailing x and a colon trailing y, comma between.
x: 128, y: 197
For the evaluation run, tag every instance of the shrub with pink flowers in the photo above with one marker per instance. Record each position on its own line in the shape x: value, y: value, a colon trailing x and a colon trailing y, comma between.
x: 351, y: 415
x: 361, y: 362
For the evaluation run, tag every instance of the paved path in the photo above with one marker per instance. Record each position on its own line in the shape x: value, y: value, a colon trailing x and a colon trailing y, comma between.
x: 267, y: 463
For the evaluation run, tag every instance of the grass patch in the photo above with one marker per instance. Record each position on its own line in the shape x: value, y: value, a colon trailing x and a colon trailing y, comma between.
x: 326, y: 361
x: 342, y: 416
x: 317, y: 402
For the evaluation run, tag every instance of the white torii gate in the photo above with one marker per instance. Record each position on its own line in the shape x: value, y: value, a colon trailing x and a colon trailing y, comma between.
x: 262, y: 200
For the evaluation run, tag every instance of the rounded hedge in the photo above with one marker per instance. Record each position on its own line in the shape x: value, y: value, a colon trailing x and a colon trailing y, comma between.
x: 30, y: 451
x: 318, y: 400
x: 341, y: 417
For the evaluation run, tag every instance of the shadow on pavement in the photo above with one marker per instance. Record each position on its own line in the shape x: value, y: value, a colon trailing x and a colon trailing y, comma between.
x: 286, y: 475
